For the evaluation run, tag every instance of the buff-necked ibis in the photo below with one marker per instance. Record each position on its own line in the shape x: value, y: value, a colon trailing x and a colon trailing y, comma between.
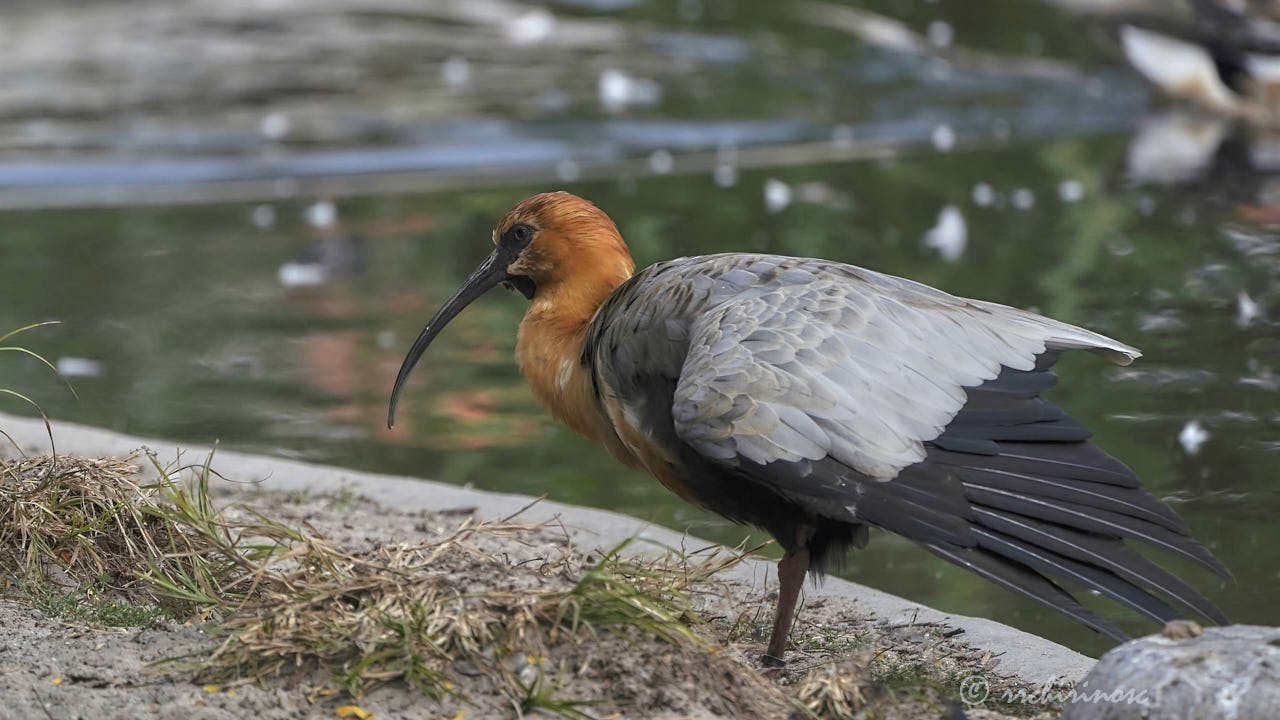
x: 814, y: 399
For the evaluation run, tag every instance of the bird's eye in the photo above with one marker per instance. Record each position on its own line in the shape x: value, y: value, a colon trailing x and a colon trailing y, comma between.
x: 522, y: 234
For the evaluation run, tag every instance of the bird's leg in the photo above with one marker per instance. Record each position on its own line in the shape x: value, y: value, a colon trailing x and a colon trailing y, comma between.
x: 791, y: 571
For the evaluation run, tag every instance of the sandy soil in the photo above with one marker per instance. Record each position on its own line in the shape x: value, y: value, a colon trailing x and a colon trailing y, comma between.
x: 55, y: 668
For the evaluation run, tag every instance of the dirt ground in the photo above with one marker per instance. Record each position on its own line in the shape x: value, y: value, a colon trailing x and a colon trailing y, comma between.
x: 56, y: 667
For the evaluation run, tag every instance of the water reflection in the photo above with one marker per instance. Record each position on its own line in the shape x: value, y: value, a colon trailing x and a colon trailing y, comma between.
x: 331, y: 252
x: 949, y: 236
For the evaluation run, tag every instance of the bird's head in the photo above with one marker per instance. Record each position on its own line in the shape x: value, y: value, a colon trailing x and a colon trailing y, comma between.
x: 554, y: 240
x: 557, y: 249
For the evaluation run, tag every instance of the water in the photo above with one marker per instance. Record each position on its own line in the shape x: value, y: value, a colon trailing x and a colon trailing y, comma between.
x: 222, y: 320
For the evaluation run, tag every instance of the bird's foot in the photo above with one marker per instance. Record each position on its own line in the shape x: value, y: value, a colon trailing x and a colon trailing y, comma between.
x: 766, y: 659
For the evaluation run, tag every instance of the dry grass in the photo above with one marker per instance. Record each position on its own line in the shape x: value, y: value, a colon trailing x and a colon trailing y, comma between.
x: 920, y: 681
x: 68, y: 521
x: 837, y: 690
x: 285, y: 599
x: 71, y: 521
x: 78, y: 515
x: 415, y: 612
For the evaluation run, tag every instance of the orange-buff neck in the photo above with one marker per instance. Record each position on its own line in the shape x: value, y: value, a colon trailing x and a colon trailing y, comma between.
x: 576, y: 264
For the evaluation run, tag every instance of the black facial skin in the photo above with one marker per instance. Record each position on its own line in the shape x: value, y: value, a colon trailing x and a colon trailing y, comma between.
x: 510, y: 245
x: 522, y: 283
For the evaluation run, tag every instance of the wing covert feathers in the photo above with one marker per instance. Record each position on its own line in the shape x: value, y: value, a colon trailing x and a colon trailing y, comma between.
x: 791, y: 359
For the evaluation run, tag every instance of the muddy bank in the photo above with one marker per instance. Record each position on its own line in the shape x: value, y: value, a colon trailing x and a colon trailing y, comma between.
x: 69, y: 668
x: 850, y: 642
x: 72, y: 668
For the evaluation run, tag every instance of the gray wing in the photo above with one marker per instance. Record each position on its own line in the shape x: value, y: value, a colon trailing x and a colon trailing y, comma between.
x: 798, y: 359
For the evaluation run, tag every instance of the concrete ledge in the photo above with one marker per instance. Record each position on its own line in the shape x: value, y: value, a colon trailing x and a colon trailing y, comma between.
x: 1034, y: 659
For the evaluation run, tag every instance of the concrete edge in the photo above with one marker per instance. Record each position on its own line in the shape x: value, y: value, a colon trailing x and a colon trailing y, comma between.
x: 1030, y: 657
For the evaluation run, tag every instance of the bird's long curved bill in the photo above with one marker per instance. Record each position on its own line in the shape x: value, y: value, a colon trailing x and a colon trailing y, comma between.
x: 490, y: 273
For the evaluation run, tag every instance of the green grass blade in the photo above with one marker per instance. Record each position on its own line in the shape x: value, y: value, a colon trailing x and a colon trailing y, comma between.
x: 32, y: 326
x: 24, y: 398
x: 51, y: 366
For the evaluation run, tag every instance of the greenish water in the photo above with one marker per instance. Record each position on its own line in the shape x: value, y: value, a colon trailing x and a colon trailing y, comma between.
x: 197, y: 339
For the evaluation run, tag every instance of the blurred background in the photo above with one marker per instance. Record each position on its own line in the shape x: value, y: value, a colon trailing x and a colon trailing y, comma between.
x: 243, y: 212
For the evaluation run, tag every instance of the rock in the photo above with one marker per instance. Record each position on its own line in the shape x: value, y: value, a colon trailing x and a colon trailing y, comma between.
x: 1182, y: 629
x: 1225, y: 672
